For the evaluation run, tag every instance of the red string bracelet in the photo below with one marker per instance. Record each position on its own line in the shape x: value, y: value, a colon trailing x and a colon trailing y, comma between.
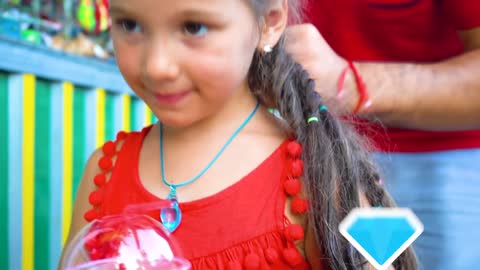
x: 364, y: 100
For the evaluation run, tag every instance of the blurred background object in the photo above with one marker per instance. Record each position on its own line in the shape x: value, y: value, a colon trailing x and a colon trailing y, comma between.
x: 70, y: 23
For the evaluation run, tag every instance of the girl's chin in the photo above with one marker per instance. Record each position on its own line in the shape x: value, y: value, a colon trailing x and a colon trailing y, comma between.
x: 176, y: 122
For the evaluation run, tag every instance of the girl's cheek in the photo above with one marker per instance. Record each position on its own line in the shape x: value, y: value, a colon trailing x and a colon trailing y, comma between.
x: 221, y: 73
x: 129, y: 65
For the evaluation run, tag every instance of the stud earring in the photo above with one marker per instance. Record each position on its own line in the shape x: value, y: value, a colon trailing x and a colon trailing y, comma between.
x: 267, y: 48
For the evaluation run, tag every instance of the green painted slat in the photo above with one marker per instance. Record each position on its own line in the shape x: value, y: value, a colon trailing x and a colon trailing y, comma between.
x: 79, y: 135
x: 4, y: 260
x: 42, y: 174
x: 110, y: 117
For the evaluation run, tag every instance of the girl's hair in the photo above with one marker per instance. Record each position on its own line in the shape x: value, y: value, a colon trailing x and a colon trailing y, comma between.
x: 338, y: 167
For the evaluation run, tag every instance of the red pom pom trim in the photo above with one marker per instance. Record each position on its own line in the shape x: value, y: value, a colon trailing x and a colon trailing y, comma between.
x: 122, y: 135
x: 109, y: 149
x: 100, y: 180
x: 271, y: 255
x: 252, y: 261
x: 299, y: 206
x: 96, y: 198
x: 294, y: 149
x: 297, y: 168
x: 292, y: 186
x: 294, y: 232
x: 91, y: 215
x: 105, y: 163
x: 292, y: 256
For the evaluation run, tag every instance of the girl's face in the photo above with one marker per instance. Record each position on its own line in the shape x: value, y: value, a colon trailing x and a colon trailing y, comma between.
x: 186, y: 59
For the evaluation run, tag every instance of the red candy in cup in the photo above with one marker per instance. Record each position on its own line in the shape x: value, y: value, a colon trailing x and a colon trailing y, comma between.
x: 124, y: 242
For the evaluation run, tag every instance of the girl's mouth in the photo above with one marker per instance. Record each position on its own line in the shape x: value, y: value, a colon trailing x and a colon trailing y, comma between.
x: 171, y: 99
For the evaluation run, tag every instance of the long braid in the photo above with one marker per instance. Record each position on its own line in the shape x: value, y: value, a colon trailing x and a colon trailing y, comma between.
x: 337, y: 168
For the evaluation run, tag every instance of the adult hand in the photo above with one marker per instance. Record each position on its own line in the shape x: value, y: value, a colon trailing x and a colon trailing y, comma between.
x: 308, y: 48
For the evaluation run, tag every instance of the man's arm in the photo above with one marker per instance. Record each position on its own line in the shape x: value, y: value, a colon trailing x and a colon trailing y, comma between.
x: 436, y: 96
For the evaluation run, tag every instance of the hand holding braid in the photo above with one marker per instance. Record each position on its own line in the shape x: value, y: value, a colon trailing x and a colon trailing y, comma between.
x: 337, y: 166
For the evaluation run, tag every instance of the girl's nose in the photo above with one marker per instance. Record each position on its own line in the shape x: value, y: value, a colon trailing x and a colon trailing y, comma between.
x: 159, y: 63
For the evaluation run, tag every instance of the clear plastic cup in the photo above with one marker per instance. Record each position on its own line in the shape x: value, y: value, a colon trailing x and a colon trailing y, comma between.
x: 124, y: 242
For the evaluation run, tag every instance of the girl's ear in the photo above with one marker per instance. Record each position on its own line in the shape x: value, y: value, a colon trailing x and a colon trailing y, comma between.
x: 275, y: 21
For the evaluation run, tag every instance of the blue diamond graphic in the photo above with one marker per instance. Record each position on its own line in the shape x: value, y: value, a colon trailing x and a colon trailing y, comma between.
x: 381, y: 234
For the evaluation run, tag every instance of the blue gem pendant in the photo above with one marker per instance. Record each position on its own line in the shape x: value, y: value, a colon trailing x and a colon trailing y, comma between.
x: 171, y: 217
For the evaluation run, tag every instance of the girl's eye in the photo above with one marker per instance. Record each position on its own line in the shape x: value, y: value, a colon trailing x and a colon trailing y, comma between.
x: 130, y: 26
x: 195, y: 29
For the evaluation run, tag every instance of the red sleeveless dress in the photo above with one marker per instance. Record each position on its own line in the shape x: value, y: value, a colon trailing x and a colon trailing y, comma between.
x: 241, y: 227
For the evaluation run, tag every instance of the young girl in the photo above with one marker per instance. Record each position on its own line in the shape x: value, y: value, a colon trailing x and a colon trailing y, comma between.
x: 249, y: 190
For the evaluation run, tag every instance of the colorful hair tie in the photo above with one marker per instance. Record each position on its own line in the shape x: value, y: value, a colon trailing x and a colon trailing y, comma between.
x: 312, y: 119
x: 323, y: 108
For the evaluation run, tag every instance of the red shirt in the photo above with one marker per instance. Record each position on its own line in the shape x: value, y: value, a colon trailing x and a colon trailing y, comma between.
x: 400, y: 31
x: 241, y: 227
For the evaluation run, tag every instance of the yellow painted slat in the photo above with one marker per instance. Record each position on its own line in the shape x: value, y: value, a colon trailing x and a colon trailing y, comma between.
x: 148, y: 116
x: 28, y: 182
x: 100, y: 136
x: 68, y: 89
x: 126, y: 101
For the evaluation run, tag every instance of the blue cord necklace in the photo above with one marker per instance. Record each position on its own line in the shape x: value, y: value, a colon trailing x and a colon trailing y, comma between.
x: 171, y: 217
